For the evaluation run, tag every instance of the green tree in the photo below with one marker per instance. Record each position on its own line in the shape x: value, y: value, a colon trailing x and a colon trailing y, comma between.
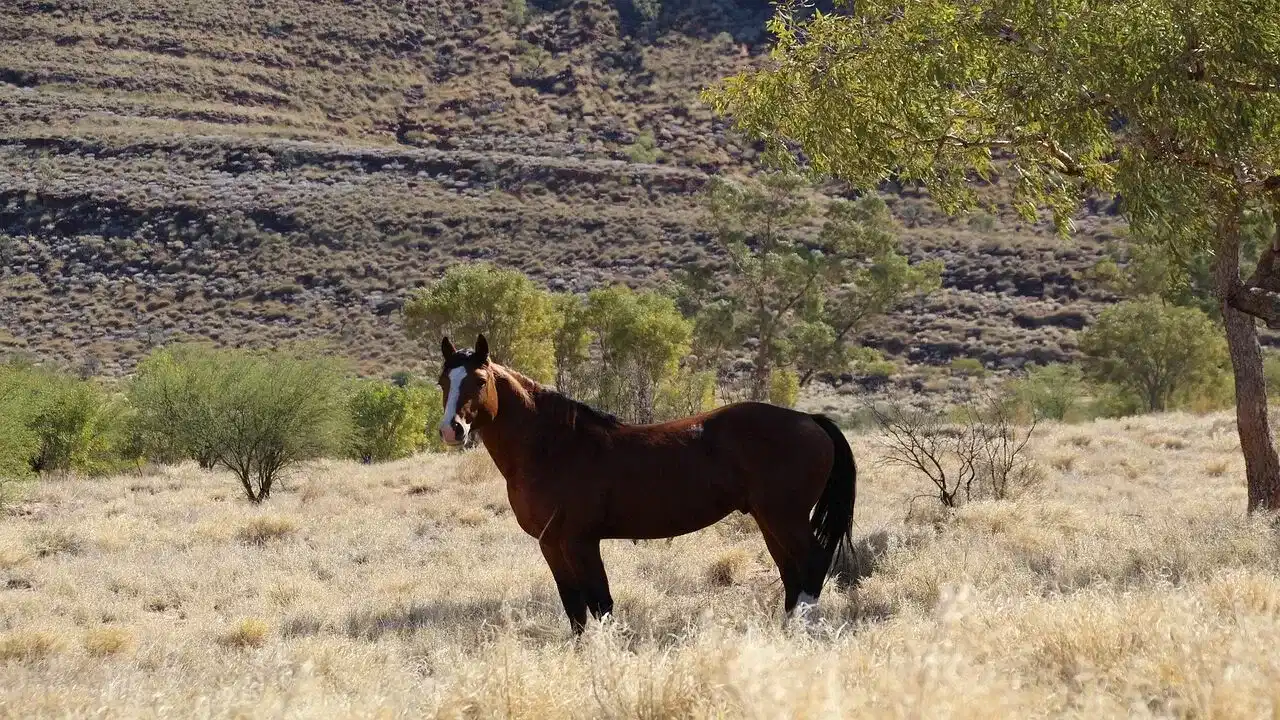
x: 78, y: 425
x: 388, y: 420
x: 257, y: 414
x: 800, y: 295
x: 174, y: 391
x: 1155, y: 352
x: 517, y: 316
x: 572, y: 345
x: 274, y: 411
x: 639, y: 339
x: 1174, y: 107
x: 1182, y: 276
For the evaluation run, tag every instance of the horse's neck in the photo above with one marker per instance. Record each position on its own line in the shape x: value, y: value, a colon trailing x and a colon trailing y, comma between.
x: 508, y: 438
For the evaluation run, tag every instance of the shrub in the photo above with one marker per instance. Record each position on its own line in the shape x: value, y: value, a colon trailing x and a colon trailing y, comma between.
x: 17, y: 443
x: 869, y: 361
x: 264, y: 529
x: 517, y: 317
x: 687, y: 392
x: 174, y: 390
x: 982, y: 453
x: 967, y: 367
x: 105, y: 641
x: 248, y: 633
x: 784, y: 387
x: 516, y: 11
x: 68, y: 424
x: 644, y: 150
x: 572, y: 345
x: 1159, y: 354
x: 29, y: 646
x: 1051, y: 391
x: 390, y: 421
x: 253, y: 414
x: 639, y: 338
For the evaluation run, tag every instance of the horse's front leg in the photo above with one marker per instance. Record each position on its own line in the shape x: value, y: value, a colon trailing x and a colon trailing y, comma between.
x: 588, y: 567
x: 571, y: 594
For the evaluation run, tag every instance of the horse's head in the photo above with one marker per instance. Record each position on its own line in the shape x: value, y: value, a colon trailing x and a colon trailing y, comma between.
x: 470, y: 398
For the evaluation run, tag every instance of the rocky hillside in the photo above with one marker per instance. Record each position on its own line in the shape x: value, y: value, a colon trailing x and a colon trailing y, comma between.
x: 262, y: 170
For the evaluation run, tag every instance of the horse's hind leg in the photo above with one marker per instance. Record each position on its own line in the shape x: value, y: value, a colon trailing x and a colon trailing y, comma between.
x: 793, y: 549
x: 571, y: 595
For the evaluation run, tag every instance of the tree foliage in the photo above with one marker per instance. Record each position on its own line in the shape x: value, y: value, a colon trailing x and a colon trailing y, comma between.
x: 64, y: 423
x: 800, y: 293
x: 1174, y: 107
x: 1155, y: 352
x: 17, y: 443
x: 638, y: 340
x: 254, y: 414
x: 516, y: 315
x: 390, y: 422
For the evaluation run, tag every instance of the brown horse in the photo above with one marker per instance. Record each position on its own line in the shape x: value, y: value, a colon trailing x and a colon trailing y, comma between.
x: 576, y: 476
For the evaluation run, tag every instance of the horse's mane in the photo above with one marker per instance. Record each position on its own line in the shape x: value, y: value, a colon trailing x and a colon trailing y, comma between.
x: 564, y: 413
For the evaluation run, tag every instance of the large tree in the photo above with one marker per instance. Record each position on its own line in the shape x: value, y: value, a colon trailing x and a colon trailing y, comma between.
x: 1172, y: 105
x: 803, y: 280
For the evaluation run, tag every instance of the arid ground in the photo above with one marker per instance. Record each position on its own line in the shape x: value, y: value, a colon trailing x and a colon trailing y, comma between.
x: 1127, y: 584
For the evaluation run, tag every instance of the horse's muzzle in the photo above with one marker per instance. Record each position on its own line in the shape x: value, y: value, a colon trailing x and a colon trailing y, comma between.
x: 454, y: 434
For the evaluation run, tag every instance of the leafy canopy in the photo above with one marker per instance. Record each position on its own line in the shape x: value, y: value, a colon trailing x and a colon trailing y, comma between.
x: 1155, y: 352
x: 1172, y: 105
x: 803, y: 280
x: 516, y: 316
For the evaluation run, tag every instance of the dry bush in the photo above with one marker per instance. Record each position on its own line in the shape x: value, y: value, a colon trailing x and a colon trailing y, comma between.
x: 247, y: 633
x: 266, y: 528
x: 105, y: 641
x: 56, y: 541
x: 29, y: 646
x: 982, y: 454
x: 729, y: 568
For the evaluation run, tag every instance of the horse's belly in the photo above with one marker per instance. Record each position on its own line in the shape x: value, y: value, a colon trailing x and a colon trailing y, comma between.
x: 669, y: 502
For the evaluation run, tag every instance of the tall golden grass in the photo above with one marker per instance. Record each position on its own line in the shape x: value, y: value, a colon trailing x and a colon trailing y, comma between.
x: 1130, y: 585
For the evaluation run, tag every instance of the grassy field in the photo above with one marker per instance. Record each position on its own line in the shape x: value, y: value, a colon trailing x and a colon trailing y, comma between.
x: 1128, y: 584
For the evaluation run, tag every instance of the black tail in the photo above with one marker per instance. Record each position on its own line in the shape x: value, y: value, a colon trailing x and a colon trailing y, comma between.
x: 832, y: 518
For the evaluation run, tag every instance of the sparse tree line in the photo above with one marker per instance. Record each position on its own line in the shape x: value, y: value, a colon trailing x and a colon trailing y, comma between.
x: 802, y: 281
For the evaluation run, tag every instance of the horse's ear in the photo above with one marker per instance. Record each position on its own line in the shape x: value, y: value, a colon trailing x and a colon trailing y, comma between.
x: 446, y: 347
x: 482, y: 349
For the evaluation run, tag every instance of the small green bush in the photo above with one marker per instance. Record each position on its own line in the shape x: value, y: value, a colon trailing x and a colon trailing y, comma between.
x: 17, y: 443
x: 63, y: 423
x: 255, y: 414
x: 389, y: 421
x: 869, y: 361
x: 1052, y: 392
x: 784, y: 387
x: 687, y: 392
x: 644, y: 149
x: 967, y: 367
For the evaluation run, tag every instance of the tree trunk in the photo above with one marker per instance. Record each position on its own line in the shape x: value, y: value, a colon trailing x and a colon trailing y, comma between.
x: 760, y: 374
x: 1262, y: 466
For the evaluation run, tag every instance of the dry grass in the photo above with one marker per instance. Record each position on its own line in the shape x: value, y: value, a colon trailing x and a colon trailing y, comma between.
x: 1131, y: 585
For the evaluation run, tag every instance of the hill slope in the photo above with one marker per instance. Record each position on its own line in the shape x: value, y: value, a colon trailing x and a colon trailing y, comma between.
x: 251, y: 172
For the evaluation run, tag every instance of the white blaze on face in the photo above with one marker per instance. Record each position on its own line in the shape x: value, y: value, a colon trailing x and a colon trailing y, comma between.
x: 451, y: 407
